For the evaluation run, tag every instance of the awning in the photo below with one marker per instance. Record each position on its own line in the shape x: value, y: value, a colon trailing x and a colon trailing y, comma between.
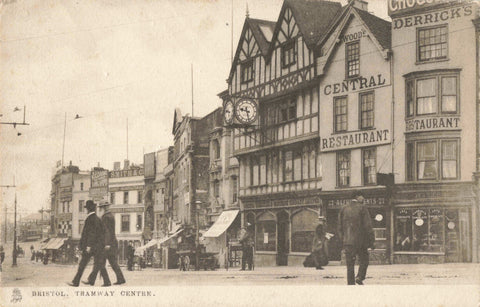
x: 221, y: 225
x: 55, y: 243
x: 165, y: 239
x: 139, y: 250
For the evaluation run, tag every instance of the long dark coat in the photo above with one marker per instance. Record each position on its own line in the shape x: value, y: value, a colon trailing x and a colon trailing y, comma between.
x: 108, y: 221
x: 92, y: 234
x: 355, y: 226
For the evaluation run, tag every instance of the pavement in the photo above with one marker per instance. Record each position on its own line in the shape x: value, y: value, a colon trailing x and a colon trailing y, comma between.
x: 32, y: 274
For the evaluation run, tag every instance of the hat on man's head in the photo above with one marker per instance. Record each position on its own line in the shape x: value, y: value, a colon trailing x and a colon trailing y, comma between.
x: 90, y: 205
x: 356, y: 194
x: 100, y: 205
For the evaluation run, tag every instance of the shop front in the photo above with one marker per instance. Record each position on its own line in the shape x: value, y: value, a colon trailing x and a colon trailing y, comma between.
x: 284, y: 226
x: 434, y: 223
x: 376, y: 200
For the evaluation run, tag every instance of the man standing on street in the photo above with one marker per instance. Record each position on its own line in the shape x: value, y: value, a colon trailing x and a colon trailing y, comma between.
x: 356, y: 233
x: 111, y: 246
x: 130, y: 256
x: 246, y: 239
x: 92, y: 243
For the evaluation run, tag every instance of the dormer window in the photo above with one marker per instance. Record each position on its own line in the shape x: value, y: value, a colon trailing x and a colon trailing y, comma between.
x: 248, y: 71
x: 289, y: 55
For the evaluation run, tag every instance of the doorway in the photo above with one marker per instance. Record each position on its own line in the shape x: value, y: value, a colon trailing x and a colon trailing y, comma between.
x: 334, y: 244
x: 282, y: 238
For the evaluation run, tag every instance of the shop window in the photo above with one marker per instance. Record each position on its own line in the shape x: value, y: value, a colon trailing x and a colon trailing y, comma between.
x: 432, y: 43
x: 343, y: 168
x: 367, y: 110
x: 435, y: 160
x: 434, y: 94
x: 125, y: 223
x: 303, y: 228
x: 379, y: 225
x: 352, y: 59
x: 340, y: 119
x: 266, y: 233
x: 369, y: 166
x: 248, y: 71
x: 125, y: 197
x: 419, y: 229
x: 288, y: 54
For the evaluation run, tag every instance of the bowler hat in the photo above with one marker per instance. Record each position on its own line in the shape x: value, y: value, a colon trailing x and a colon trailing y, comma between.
x: 90, y: 205
x: 103, y: 205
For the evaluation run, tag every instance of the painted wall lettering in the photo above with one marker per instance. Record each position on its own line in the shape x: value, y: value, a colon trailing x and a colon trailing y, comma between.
x: 356, y: 139
x: 354, y: 85
x: 354, y: 36
x: 395, y: 6
x: 425, y: 19
x: 432, y: 123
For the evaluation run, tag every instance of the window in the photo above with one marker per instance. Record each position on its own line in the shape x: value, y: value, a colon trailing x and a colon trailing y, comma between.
x: 303, y: 228
x: 81, y: 204
x: 216, y: 149
x: 353, y: 59
x: 288, y: 166
x: 379, y: 225
x: 366, y: 110
x: 139, y: 222
x: 248, y: 71
x: 435, y: 160
x: 369, y: 166
x: 343, y: 168
x: 216, y: 188
x: 234, y: 189
x: 288, y: 111
x: 289, y: 54
x: 266, y: 233
x: 139, y: 197
x: 420, y: 229
x: 125, y: 223
x: 112, y: 198
x: 340, y: 105
x: 254, y: 171
x: 432, y: 43
x: 436, y: 94
x: 125, y: 197
x: 80, y: 226
x: 81, y: 186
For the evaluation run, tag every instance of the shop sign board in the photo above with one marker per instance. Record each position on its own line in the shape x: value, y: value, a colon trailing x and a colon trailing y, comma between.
x: 432, y: 124
x: 405, y: 6
x: 355, y: 139
x: 370, y: 202
x: 356, y: 84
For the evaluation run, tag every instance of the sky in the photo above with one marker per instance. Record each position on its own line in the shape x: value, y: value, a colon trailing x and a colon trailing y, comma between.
x: 109, y: 61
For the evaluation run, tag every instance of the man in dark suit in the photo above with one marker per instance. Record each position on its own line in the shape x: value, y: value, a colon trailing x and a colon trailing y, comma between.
x: 92, y: 243
x: 356, y: 232
x: 111, y: 245
x: 130, y: 256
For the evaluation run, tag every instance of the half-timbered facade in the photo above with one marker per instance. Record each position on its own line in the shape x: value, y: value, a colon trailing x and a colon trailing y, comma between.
x: 280, y: 171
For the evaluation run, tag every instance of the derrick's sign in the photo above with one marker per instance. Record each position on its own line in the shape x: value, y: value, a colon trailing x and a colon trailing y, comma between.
x: 355, y: 139
x: 395, y: 6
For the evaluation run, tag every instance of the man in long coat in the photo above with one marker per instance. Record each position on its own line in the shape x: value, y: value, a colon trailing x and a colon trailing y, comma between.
x: 356, y: 233
x: 111, y: 246
x: 92, y: 243
x: 246, y: 239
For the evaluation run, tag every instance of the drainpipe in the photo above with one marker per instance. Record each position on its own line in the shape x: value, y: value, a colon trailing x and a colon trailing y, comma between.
x: 390, y: 189
x: 475, y: 213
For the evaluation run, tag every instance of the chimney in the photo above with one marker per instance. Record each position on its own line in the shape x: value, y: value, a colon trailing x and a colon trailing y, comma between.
x: 359, y: 4
x: 116, y: 166
x: 98, y: 164
x: 126, y: 164
x: 70, y: 163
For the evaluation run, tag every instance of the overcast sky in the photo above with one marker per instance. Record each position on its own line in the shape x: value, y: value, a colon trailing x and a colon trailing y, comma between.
x: 107, y: 61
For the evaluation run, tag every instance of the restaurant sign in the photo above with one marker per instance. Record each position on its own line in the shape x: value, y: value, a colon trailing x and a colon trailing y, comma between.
x: 355, y: 139
x: 432, y: 124
x: 370, y: 202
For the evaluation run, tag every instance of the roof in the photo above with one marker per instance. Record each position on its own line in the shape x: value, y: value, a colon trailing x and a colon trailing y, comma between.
x: 379, y: 27
x: 314, y: 17
x: 262, y: 31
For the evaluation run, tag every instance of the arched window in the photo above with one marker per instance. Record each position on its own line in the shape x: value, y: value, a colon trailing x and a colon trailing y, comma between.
x: 303, y: 227
x: 266, y: 232
x: 215, y: 149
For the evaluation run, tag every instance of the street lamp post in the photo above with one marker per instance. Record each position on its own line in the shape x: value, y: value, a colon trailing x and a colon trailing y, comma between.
x: 14, y: 262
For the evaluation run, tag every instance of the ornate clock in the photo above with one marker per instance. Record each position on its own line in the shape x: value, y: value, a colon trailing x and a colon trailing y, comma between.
x: 228, y: 113
x: 246, y: 111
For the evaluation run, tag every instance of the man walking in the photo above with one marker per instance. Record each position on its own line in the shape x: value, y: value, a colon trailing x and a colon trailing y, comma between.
x: 91, y: 244
x: 356, y: 233
x: 111, y: 246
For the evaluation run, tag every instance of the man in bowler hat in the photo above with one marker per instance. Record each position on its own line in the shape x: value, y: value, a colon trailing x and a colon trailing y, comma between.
x: 356, y: 232
x: 92, y: 243
x: 111, y: 246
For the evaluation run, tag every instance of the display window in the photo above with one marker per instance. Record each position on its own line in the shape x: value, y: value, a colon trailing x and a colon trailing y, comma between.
x: 266, y: 233
x: 303, y: 228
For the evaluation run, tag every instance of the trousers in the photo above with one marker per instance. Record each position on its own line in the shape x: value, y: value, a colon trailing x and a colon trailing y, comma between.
x: 111, y: 256
x: 351, y: 253
x: 98, y: 262
x: 247, y: 257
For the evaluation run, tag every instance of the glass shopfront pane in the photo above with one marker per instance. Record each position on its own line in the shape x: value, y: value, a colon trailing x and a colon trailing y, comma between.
x: 452, y: 244
x: 420, y: 230
x: 266, y: 235
x: 403, y: 229
x: 303, y: 227
x: 435, y: 234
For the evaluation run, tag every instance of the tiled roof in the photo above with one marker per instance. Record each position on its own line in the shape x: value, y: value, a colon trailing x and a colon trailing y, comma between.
x: 314, y: 17
x: 382, y: 29
x: 260, y: 30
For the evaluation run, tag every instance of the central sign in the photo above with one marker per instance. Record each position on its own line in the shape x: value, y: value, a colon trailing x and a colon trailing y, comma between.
x: 355, y: 139
x: 360, y: 83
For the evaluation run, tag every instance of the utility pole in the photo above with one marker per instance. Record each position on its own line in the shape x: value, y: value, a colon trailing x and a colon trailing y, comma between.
x: 5, y: 232
x: 14, y: 263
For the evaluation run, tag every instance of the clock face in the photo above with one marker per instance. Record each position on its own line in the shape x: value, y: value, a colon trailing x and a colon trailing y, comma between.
x: 228, y: 112
x: 246, y: 111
